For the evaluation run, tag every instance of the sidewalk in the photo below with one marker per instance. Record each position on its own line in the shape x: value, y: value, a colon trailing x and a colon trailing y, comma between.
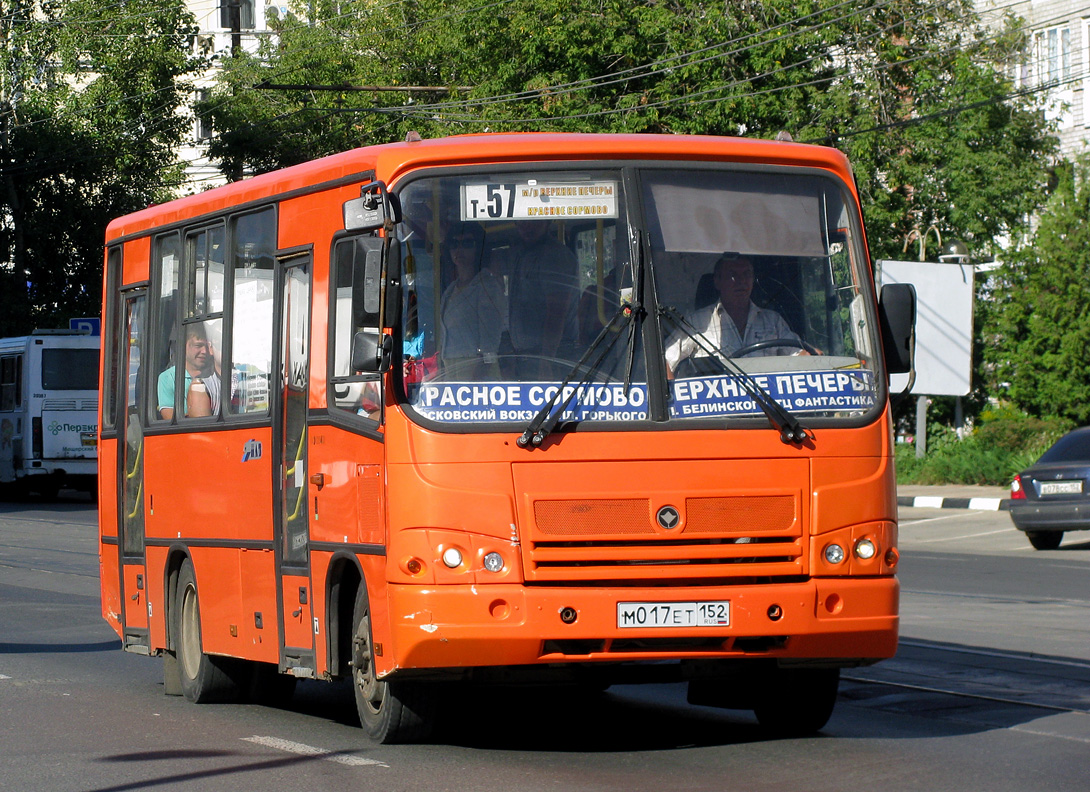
x: 954, y: 496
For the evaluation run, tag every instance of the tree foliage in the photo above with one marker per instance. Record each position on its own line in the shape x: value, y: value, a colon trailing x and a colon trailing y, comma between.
x: 912, y: 90
x: 1037, y: 327
x: 89, y: 128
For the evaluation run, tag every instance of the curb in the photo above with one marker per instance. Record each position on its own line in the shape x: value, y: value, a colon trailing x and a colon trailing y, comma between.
x: 932, y: 502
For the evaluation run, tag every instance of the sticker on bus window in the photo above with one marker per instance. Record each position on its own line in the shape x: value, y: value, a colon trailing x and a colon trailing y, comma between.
x: 799, y: 392
x: 535, y: 200
x: 802, y: 393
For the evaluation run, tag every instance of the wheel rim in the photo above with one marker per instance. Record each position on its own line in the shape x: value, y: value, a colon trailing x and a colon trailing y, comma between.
x: 371, y: 691
x: 189, y: 640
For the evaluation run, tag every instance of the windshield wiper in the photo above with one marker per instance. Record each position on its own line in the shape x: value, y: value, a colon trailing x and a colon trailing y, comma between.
x: 791, y: 431
x: 546, y: 419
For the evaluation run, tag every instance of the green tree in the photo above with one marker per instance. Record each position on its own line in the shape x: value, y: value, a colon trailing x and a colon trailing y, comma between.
x: 913, y: 90
x: 1037, y: 327
x: 938, y: 136
x: 89, y: 127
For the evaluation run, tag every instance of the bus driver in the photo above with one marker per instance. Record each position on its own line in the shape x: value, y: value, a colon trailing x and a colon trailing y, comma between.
x: 733, y: 321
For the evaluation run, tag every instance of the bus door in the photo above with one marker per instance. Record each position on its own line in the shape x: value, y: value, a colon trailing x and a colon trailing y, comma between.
x: 292, y: 528
x: 133, y: 562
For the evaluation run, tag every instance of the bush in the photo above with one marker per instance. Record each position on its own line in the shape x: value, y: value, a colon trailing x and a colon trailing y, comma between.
x: 1005, y: 442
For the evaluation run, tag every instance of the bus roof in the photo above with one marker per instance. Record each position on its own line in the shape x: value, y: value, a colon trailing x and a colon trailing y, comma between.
x: 391, y: 160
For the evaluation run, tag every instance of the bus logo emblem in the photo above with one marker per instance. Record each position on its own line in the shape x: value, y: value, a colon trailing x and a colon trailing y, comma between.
x: 668, y: 517
x: 252, y: 450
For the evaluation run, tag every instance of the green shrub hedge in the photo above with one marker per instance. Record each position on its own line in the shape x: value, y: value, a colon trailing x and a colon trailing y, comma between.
x: 1004, y: 442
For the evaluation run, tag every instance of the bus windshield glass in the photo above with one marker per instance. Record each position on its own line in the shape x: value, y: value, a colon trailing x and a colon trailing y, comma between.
x: 699, y: 283
x: 69, y: 369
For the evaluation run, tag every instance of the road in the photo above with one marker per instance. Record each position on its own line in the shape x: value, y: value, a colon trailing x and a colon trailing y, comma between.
x: 990, y: 690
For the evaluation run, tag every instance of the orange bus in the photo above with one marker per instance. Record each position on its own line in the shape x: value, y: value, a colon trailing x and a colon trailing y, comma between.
x: 498, y: 409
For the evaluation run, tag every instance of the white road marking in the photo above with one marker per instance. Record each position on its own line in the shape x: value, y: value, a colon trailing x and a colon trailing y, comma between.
x: 961, y: 536
x: 3, y: 676
x: 309, y: 750
x: 951, y: 516
x: 1037, y: 733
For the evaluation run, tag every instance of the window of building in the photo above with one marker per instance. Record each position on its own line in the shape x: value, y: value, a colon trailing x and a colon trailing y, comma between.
x: 245, y: 11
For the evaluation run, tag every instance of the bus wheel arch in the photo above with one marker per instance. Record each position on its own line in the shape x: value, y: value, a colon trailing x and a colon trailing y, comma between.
x: 342, y: 582
x: 204, y: 678
x: 390, y: 710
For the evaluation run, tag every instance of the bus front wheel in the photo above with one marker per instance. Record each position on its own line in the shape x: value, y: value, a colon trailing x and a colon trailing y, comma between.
x: 203, y: 678
x: 798, y: 701
x: 391, y: 711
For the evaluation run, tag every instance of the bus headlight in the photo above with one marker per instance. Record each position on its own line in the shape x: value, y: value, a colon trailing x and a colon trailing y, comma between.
x: 865, y: 549
x: 834, y: 553
x: 452, y: 557
x: 493, y: 562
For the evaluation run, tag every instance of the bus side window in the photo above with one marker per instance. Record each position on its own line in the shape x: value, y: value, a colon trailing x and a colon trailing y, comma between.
x: 354, y: 308
x: 253, y: 249
x: 166, y: 348
x: 11, y: 371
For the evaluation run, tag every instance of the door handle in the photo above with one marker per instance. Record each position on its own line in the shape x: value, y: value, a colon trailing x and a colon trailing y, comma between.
x: 318, y: 480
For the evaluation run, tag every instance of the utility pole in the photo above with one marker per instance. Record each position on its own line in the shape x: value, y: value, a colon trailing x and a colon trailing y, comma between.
x: 235, y: 12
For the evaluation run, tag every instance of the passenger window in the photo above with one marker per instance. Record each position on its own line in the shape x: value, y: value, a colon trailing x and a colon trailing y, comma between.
x: 354, y: 392
x: 203, y: 322
x: 252, y: 255
x: 168, y: 350
x: 11, y: 369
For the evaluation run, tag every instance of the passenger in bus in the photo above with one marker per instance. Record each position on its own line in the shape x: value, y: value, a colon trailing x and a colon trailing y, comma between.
x: 198, y: 362
x: 542, y: 295
x: 732, y: 321
x: 472, y: 310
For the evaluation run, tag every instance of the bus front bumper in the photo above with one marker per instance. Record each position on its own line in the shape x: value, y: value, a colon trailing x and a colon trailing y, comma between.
x: 841, y: 620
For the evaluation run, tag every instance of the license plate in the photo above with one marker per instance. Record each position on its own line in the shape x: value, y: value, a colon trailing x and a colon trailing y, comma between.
x: 1061, y: 487
x: 673, y: 614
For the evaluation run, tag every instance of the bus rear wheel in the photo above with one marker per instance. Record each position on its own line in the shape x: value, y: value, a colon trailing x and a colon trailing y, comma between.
x: 798, y: 701
x: 203, y: 678
x: 391, y: 711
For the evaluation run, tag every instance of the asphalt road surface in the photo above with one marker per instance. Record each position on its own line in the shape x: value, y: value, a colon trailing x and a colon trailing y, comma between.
x: 990, y: 690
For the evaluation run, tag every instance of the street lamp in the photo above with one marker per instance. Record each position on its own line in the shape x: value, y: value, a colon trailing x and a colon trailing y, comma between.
x: 954, y: 251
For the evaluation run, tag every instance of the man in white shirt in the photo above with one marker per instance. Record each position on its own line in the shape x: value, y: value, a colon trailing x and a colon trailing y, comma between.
x: 731, y: 322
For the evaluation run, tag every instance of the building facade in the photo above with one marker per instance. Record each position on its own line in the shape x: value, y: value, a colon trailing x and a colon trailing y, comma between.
x: 1057, y: 63
x: 222, y: 24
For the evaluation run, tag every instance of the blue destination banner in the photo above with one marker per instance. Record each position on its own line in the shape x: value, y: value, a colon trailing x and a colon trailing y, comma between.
x: 799, y: 392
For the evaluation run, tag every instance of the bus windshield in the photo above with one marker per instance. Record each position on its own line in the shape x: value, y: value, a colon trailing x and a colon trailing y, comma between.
x: 608, y: 284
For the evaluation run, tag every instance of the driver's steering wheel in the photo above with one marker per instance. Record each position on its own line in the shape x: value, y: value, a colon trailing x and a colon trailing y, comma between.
x: 798, y: 343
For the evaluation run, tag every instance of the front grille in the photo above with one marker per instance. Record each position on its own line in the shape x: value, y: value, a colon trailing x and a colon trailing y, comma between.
x: 727, y: 537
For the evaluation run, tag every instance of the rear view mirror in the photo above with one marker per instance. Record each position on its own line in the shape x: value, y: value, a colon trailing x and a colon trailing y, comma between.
x: 372, y: 209
x: 897, y: 320
x: 369, y: 275
x: 364, y: 214
x: 371, y: 350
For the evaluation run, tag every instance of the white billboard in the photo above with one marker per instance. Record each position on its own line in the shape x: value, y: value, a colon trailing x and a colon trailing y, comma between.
x: 944, y: 325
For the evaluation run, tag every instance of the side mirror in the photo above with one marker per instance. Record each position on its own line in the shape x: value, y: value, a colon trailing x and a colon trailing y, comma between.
x: 371, y: 351
x: 897, y: 320
x: 369, y: 276
x: 372, y: 209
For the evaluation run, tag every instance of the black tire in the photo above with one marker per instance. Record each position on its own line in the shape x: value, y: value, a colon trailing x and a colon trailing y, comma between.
x: 203, y: 678
x: 1045, y: 540
x: 798, y: 701
x: 390, y: 711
